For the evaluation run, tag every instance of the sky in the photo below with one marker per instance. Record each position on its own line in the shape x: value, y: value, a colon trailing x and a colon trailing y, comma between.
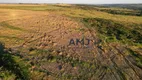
x: 73, y: 1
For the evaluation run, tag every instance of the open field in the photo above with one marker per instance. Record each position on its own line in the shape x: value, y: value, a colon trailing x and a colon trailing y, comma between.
x: 35, y: 42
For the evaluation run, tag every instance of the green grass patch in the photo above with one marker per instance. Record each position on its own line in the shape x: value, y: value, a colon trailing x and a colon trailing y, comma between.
x: 137, y: 57
x: 13, y: 64
x: 114, y: 31
x: 33, y: 8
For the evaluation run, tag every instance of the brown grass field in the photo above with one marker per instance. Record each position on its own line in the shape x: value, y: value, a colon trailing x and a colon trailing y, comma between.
x: 36, y: 38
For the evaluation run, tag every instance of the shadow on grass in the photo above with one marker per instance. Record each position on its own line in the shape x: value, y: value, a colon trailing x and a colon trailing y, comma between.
x: 8, y: 63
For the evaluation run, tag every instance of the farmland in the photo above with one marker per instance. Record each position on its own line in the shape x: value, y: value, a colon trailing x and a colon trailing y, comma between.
x: 35, y: 42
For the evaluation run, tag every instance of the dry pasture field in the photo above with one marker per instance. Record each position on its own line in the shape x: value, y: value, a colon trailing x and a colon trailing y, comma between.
x: 75, y: 42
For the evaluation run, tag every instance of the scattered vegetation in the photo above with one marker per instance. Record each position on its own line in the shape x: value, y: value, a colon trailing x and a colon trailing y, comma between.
x: 113, y: 31
x: 12, y: 65
x: 137, y: 57
x: 113, y: 10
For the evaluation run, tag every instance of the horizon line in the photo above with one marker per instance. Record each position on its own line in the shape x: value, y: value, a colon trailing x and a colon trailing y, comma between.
x: 65, y: 3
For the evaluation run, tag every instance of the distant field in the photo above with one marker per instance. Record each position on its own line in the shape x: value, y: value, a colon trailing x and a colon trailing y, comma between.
x: 35, y: 38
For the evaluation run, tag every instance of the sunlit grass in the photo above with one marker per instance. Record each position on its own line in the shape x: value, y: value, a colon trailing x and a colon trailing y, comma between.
x: 78, y: 12
x: 6, y: 25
